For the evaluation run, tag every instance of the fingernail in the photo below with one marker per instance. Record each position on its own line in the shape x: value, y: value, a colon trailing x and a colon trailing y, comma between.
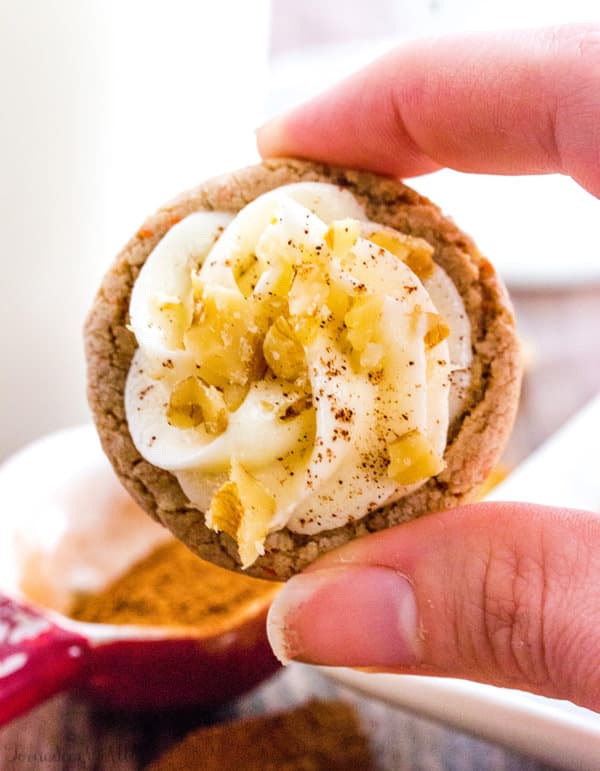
x: 359, y: 616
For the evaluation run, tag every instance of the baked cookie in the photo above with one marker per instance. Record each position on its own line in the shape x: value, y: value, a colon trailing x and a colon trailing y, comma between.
x: 369, y: 370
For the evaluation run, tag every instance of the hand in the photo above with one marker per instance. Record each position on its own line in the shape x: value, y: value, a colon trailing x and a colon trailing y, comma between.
x: 503, y: 593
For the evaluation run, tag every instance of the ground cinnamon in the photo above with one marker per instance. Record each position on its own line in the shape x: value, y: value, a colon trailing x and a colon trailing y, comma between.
x: 318, y: 736
x: 172, y: 587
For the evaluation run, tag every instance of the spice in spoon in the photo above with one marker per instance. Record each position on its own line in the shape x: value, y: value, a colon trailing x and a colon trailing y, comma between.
x: 173, y: 587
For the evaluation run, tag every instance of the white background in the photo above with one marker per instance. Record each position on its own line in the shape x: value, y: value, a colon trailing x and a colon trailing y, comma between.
x: 109, y: 108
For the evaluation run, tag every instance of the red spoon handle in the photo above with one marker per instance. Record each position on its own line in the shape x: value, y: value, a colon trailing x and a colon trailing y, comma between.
x: 37, y: 658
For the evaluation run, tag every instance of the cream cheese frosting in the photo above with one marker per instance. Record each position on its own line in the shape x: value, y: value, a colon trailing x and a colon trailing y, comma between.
x: 297, y: 365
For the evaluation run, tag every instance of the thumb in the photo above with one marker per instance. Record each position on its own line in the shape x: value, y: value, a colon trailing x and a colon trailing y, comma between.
x: 499, y: 593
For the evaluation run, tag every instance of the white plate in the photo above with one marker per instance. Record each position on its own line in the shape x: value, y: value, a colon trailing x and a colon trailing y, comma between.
x: 564, y: 471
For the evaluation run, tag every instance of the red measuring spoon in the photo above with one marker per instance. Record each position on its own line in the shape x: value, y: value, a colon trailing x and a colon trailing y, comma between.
x: 71, y: 521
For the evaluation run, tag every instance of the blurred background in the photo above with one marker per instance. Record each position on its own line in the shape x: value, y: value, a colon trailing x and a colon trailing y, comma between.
x: 110, y: 107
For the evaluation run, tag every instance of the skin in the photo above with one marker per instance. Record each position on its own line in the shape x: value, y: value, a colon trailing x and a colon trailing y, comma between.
x: 503, y: 593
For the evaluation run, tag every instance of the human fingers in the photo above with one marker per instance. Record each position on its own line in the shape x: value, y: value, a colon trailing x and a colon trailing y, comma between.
x: 499, y: 593
x: 506, y: 103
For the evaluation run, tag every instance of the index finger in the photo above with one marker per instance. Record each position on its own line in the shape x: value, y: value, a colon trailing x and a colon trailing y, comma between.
x: 505, y: 103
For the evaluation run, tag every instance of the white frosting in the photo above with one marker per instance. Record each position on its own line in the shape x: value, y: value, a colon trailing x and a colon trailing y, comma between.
x: 326, y: 465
